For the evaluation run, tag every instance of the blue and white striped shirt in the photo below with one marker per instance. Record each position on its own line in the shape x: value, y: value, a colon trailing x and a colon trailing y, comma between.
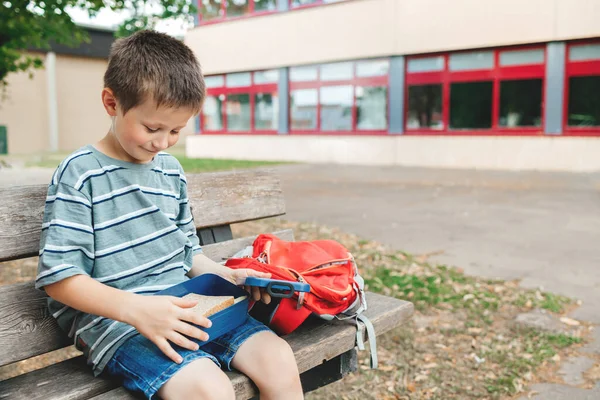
x: 126, y: 225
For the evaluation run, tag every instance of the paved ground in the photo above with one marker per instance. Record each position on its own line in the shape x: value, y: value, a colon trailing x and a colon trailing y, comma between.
x: 541, y: 228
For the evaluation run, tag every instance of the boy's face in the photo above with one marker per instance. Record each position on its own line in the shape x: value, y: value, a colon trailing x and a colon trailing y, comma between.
x: 145, y: 130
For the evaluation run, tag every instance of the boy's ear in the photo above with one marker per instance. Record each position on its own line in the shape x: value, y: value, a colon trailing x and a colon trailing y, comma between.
x: 109, y: 101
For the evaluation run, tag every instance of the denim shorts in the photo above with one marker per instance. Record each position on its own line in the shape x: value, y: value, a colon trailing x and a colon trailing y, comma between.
x: 141, y: 367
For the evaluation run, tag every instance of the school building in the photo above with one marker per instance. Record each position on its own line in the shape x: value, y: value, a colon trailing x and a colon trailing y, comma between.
x: 511, y: 84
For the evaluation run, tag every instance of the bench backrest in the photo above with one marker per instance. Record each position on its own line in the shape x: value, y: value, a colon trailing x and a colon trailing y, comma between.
x: 216, y: 199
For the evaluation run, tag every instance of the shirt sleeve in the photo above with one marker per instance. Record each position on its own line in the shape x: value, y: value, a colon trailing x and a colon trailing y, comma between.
x: 67, y: 239
x: 185, y: 219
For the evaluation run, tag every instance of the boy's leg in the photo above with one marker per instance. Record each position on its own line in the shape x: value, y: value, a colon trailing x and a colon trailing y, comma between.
x: 201, y: 379
x: 269, y: 361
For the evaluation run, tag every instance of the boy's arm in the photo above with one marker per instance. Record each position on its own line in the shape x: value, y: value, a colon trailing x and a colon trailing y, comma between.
x: 203, y: 265
x: 159, y: 318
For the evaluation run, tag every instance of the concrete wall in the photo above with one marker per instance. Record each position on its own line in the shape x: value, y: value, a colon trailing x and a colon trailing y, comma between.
x: 355, y: 29
x: 573, y: 154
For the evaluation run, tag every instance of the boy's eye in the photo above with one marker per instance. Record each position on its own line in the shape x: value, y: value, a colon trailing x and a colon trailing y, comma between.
x: 151, y: 130
x: 174, y: 132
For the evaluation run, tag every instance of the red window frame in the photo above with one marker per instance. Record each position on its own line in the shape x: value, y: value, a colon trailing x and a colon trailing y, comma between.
x: 573, y: 69
x: 496, y: 74
x: 252, y: 91
x: 375, y: 81
x: 224, y: 17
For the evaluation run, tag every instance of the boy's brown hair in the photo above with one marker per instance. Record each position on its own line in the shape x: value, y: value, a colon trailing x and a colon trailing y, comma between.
x: 153, y: 65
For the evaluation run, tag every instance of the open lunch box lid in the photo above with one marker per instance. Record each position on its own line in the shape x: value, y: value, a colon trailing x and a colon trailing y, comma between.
x: 213, y: 285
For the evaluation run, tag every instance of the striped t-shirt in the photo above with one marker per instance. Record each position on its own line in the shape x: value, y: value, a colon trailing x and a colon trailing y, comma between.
x: 126, y: 225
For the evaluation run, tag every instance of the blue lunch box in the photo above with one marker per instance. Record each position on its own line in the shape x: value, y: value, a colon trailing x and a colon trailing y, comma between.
x: 213, y: 285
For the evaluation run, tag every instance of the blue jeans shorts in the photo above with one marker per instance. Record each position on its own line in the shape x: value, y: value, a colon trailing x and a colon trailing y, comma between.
x: 141, y: 367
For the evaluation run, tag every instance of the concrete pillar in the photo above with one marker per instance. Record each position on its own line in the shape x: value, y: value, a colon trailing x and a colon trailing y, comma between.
x: 52, y: 100
x: 397, y: 87
x: 283, y: 93
x: 555, y: 88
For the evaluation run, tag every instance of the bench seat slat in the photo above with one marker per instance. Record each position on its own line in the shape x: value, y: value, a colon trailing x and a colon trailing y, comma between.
x: 217, y: 198
x: 315, y: 342
x: 27, y: 329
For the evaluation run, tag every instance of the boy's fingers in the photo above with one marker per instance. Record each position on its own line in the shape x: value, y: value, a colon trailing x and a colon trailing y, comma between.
x: 256, y: 293
x: 195, y: 318
x: 184, y: 303
x: 184, y: 342
x: 191, y: 331
x: 266, y: 297
x: 166, y: 348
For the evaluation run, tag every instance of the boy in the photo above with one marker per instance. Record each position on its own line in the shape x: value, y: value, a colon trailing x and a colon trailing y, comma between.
x: 118, y: 228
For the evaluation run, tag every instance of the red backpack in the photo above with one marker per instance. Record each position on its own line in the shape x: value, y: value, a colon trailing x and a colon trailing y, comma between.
x: 336, y: 288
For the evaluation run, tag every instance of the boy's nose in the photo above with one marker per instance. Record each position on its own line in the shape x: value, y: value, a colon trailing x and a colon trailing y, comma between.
x: 161, y: 143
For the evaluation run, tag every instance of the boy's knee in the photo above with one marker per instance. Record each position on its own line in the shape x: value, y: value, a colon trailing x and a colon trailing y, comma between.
x: 212, y: 389
x: 280, y: 361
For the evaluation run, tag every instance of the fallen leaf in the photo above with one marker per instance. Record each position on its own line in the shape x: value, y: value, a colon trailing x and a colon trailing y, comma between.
x: 411, y: 387
x: 429, y: 366
x: 569, y: 321
x: 387, y: 368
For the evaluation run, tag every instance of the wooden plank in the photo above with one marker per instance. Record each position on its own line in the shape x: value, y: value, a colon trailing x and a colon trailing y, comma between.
x: 27, y: 329
x: 217, y: 198
x: 314, y: 343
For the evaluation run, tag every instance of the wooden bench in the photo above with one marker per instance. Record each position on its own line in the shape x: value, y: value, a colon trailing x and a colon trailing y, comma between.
x: 325, y: 352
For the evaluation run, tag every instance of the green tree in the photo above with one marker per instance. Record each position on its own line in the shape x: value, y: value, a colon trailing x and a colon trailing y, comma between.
x: 28, y: 24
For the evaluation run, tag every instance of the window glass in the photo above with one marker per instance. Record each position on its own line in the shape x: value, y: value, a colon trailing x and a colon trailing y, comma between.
x: 521, y: 57
x: 425, y: 107
x: 371, y: 108
x: 239, y: 79
x: 238, y: 112
x: 237, y: 8
x: 210, y: 9
x: 426, y: 64
x: 584, y: 101
x: 270, y: 76
x: 472, y: 60
x: 212, y: 117
x: 583, y: 52
x: 337, y: 71
x: 471, y: 105
x: 336, y: 108
x: 303, y: 113
x: 265, y: 5
x: 520, y: 103
x: 266, y: 111
x: 214, y: 81
x: 303, y: 74
x: 365, y: 69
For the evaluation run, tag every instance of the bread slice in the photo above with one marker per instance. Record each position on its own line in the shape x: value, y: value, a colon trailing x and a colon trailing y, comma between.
x: 209, y: 305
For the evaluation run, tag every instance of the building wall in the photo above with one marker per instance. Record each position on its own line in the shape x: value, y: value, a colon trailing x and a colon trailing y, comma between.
x: 573, y: 154
x: 81, y: 116
x: 355, y: 29
x: 24, y: 112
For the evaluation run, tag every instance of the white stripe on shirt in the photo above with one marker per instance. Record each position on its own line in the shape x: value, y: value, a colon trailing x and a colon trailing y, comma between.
x: 132, y: 243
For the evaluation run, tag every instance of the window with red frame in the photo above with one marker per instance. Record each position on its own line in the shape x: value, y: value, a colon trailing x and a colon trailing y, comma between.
x: 582, y: 87
x: 340, y: 97
x: 213, y: 10
x: 475, y: 90
x: 245, y: 102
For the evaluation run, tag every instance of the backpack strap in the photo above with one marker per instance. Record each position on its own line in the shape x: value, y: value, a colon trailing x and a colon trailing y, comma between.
x: 362, y: 319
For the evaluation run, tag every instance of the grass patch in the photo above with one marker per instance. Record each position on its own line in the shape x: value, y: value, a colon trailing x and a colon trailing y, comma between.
x: 547, y: 301
x: 536, y: 348
x: 190, y: 165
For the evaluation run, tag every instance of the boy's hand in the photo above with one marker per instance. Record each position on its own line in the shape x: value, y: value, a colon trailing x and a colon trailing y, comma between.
x: 167, y: 318
x: 238, y: 276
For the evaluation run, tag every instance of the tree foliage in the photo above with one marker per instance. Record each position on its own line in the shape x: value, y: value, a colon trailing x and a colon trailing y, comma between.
x: 26, y: 25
